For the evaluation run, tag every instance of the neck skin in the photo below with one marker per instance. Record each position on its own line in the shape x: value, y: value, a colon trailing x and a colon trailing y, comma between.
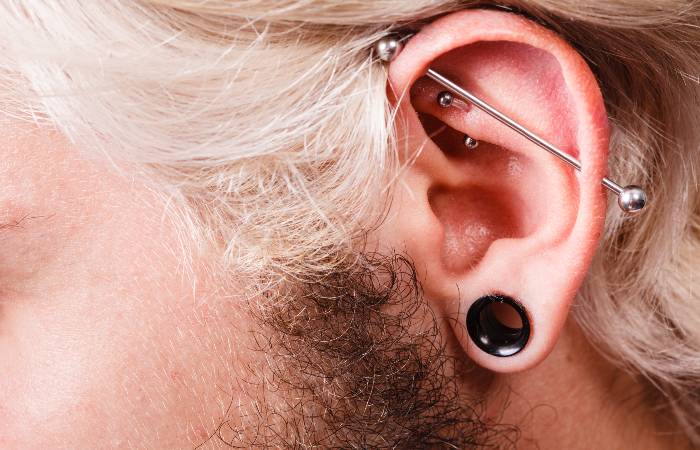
x: 576, y: 399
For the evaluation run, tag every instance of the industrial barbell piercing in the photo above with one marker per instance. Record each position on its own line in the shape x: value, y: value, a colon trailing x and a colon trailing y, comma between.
x: 630, y: 198
x: 387, y: 48
x: 390, y: 46
x: 470, y: 142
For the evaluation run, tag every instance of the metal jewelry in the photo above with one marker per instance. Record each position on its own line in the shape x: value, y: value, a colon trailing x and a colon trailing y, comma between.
x: 470, y: 142
x: 630, y: 198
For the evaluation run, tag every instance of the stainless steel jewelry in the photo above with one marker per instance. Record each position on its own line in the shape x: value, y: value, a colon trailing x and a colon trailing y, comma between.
x: 630, y: 198
x: 445, y: 99
x: 470, y: 142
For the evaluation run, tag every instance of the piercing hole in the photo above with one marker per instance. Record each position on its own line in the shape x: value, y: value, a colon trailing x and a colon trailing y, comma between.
x: 505, y: 314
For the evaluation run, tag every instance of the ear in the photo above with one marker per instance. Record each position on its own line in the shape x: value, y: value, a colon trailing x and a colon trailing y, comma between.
x: 507, y: 217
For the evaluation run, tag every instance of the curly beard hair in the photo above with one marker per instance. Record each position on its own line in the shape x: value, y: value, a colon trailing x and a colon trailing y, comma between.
x: 358, y: 361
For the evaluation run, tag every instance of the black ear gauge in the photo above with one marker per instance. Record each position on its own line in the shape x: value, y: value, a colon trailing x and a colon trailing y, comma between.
x: 486, y: 327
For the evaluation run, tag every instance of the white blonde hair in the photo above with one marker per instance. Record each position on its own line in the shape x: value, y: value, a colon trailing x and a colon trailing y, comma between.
x: 268, y: 124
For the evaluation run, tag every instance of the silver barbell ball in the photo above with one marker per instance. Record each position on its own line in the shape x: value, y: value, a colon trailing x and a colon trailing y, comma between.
x: 388, y: 47
x: 445, y: 99
x: 632, y: 199
x: 470, y: 142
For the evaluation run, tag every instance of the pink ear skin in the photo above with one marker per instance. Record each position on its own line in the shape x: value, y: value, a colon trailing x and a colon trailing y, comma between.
x: 506, y: 217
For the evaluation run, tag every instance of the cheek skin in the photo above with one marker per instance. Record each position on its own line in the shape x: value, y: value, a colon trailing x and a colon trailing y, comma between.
x: 104, y: 341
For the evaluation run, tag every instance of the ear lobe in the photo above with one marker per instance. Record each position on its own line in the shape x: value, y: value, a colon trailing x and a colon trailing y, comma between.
x: 506, y: 217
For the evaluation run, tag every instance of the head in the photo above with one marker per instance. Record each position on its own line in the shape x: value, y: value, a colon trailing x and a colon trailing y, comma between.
x: 230, y: 224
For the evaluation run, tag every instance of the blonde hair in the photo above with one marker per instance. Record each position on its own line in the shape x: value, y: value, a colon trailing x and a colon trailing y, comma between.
x: 267, y: 122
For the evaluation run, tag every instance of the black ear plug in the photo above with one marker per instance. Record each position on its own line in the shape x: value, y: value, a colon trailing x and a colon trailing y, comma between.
x: 490, y: 334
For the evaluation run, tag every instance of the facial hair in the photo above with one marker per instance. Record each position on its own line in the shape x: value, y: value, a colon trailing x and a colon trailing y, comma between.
x: 357, y: 360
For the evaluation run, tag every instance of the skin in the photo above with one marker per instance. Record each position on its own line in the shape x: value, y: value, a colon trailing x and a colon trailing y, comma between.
x: 102, y: 348
x: 106, y: 341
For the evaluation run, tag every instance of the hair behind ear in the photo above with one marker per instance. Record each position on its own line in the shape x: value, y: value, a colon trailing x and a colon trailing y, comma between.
x: 641, y: 297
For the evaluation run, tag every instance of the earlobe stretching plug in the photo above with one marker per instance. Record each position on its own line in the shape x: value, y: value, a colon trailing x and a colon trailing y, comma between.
x: 630, y: 198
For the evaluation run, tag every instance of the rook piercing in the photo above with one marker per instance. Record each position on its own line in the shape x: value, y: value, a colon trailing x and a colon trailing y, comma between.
x: 445, y: 99
x: 470, y: 142
x: 630, y: 198
x: 489, y: 333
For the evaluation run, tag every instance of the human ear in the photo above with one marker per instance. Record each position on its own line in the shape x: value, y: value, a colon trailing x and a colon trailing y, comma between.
x: 505, y: 217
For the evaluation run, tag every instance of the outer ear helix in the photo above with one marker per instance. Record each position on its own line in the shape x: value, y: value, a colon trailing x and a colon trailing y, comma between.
x: 630, y: 199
